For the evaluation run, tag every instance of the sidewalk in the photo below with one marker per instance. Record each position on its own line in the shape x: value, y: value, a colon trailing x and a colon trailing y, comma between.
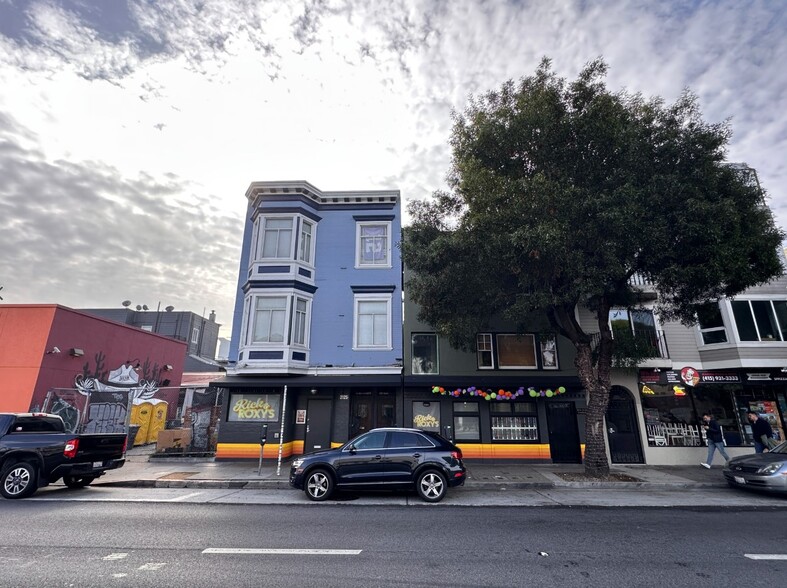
x: 143, y: 470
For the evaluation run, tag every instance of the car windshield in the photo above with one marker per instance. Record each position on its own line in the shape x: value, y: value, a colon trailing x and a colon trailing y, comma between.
x: 780, y: 449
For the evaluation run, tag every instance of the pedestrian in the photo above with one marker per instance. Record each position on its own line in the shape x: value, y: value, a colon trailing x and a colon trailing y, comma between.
x: 761, y: 431
x: 715, y: 439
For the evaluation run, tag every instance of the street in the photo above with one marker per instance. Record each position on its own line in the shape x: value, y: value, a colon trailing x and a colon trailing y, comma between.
x: 162, y: 537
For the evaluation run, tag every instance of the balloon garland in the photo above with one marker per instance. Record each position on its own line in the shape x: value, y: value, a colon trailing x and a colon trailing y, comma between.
x: 489, y: 394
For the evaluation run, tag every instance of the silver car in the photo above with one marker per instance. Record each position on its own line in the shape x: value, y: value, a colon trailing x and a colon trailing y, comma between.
x: 760, y: 471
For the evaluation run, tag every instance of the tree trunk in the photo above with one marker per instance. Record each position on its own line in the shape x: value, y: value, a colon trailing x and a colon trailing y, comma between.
x: 596, y: 463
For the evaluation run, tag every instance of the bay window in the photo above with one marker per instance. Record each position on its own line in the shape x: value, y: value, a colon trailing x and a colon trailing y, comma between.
x: 269, y: 319
x: 277, y: 238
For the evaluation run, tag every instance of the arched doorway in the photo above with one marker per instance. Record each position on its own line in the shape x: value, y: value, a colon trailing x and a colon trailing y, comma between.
x: 625, y: 445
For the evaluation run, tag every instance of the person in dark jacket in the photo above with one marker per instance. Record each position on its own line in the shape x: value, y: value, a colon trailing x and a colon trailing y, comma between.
x: 715, y: 439
x: 761, y: 431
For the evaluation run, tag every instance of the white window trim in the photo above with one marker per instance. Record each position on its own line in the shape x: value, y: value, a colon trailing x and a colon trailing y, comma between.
x: 195, y: 335
x: 301, y: 221
x: 491, y: 352
x: 358, y: 264
x: 261, y: 237
x: 357, y: 299
x: 307, y: 322
x: 252, y: 317
x: 750, y: 299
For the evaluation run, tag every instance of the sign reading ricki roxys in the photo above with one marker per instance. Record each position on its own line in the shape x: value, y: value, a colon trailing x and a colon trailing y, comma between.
x: 254, y: 408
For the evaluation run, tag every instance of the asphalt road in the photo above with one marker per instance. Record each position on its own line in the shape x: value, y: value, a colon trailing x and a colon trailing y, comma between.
x: 52, y: 542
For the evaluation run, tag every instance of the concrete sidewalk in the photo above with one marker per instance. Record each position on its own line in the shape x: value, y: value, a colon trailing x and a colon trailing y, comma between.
x: 142, y: 469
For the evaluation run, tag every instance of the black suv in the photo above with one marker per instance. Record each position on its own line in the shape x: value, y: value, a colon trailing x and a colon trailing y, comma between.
x: 382, y: 459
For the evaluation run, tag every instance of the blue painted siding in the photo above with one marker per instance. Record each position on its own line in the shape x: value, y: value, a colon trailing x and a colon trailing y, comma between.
x: 335, y: 275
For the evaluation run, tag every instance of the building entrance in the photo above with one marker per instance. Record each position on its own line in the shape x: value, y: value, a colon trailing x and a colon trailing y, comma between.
x: 371, y: 410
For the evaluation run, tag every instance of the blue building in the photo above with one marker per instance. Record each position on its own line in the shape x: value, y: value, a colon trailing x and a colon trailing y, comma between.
x: 318, y: 315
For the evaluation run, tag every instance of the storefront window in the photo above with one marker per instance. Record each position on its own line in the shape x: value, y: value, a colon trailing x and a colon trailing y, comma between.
x: 426, y: 416
x: 254, y: 408
x: 672, y: 412
x: 514, y: 421
x: 467, y: 423
x: 669, y: 417
x: 718, y: 400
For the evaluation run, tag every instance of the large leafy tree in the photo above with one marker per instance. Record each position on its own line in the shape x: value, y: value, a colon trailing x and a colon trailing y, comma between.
x: 559, y: 193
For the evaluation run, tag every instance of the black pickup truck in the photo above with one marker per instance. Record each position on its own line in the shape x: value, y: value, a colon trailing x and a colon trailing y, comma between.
x: 36, y: 451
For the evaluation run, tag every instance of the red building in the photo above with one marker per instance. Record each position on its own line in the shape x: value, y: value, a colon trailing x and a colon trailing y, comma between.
x: 47, y: 347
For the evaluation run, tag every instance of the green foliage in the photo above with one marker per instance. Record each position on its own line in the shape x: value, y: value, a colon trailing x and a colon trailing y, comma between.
x: 560, y: 192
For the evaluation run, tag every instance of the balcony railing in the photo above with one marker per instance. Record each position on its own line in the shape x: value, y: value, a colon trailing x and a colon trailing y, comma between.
x: 647, y: 340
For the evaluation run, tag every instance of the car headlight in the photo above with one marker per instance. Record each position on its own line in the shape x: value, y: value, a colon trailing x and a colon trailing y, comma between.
x: 297, y: 463
x: 771, y: 468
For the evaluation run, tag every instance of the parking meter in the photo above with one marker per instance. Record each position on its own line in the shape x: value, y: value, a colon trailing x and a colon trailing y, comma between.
x: 263, y: 440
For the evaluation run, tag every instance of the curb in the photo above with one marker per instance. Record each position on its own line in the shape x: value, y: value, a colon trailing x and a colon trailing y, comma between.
x: 285, y: 485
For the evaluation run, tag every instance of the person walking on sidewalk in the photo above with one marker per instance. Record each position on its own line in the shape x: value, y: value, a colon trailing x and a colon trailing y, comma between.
x: 715, y: 439
x: 761, y: 431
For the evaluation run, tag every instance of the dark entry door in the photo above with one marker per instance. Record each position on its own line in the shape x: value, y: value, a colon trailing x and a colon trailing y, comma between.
x: 563, y: 433
x: 622, y: 428
x: 371, y: 410
x: 318, y: 424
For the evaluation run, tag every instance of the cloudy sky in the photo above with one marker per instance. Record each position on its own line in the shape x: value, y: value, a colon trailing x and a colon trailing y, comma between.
x: 130, y: 129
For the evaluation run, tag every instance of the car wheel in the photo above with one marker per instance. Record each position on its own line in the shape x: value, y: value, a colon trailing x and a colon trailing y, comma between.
x: 431, y: 486
x: 19, y: 480
x: 319, y: 485
x: 78, y: 481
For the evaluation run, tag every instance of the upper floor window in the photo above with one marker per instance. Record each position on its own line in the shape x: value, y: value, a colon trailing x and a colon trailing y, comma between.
x: 195, y: 335
x: 299, y: 322
x: 373, y: 245
x: 269, y: 319
x: 760, y: 320
x: 305, y: 243
x: 516, y: 351
x: 372, y: 322
x: 484, y: 351
x: 277, y: 238
x: 424, y: 353
x: 711, y: 324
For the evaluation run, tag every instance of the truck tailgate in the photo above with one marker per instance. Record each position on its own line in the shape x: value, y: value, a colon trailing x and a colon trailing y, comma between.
x: 100, y: 447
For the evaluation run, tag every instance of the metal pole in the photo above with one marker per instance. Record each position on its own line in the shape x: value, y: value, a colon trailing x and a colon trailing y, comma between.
x: 281, y: 431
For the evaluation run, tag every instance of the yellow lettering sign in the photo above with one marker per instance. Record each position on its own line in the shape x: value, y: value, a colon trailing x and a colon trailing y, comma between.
x: 258, y: 409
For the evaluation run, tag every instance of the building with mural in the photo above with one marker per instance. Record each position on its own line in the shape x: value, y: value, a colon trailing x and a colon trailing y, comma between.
x: 86, y: 368
x: 316, y: 348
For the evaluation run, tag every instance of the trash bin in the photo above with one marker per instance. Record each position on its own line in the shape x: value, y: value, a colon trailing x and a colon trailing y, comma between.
x: 132, y: 434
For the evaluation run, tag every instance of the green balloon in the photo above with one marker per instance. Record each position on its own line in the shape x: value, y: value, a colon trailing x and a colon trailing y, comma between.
x: 550, y: 393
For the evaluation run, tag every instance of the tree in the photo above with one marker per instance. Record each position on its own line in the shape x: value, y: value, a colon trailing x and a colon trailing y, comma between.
x: 558, y: 194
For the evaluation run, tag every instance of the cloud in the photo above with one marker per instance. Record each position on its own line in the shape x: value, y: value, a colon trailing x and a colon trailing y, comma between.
x: 71, y: 232
x: 133, y: 128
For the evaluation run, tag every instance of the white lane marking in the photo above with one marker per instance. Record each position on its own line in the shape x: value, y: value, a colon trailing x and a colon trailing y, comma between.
x: 152, y: 566
x: 113, y: 556
x: 119, y: 575
x: 251, y: 551
x: 766, y: 555
x: 185, y: 496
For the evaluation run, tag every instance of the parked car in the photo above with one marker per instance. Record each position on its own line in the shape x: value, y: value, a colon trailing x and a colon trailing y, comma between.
x: 382, y: 459
x: 36, y: 450
x: 759, y: 471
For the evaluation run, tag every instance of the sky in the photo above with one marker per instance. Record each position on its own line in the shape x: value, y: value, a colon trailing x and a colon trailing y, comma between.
x: 131, y: 129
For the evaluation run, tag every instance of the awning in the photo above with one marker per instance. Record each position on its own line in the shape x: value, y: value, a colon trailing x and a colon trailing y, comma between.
x: 507, y: 382
x: 357, y: 381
